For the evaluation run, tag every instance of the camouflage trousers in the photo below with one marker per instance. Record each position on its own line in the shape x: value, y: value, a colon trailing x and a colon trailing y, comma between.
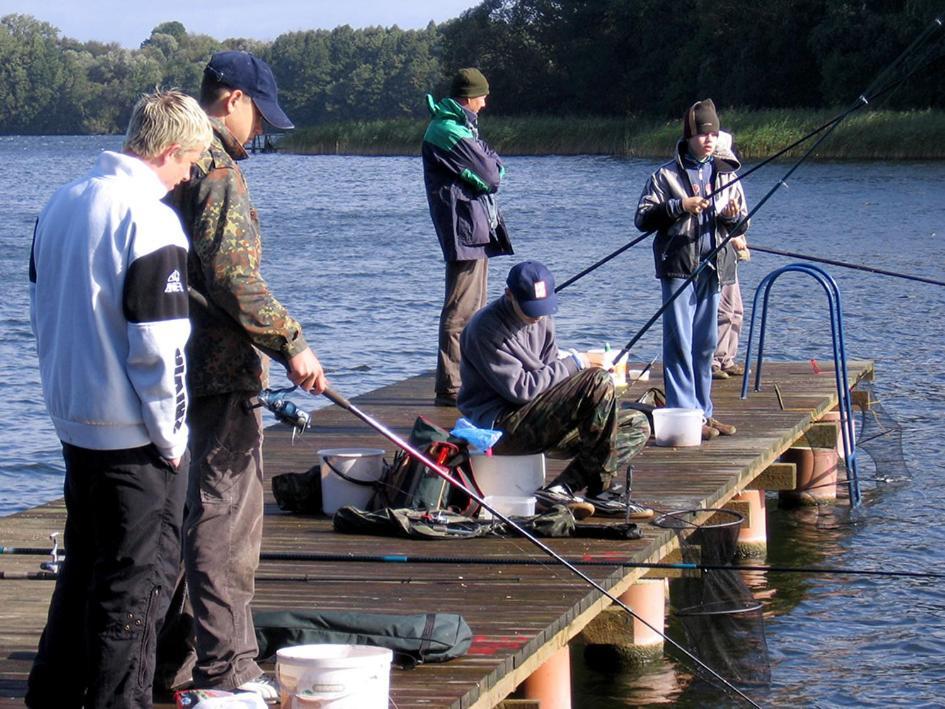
x: 579, y: 418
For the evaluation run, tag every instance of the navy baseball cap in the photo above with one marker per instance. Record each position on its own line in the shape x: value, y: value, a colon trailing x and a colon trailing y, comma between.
x: 534, y: 288
x: 251, y: 75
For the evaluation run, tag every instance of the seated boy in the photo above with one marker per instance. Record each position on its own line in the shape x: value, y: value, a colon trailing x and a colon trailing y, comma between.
x: 514, y: 380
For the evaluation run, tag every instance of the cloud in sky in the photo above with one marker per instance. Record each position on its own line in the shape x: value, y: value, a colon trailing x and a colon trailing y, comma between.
x: 131, y: 23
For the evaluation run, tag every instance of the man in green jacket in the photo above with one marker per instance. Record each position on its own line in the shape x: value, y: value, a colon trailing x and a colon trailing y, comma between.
x: 462, y: 174
x: 223, y: 528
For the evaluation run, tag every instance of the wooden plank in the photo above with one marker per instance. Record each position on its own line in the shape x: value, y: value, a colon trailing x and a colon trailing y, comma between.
x: 819, y: 435
x: 777, y: 476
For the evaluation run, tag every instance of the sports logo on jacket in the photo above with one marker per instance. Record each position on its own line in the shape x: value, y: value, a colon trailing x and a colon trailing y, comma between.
x: 174, y: 284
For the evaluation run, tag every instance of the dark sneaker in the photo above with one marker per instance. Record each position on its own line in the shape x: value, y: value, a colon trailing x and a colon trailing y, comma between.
x: 726, y: 429
x: 615, y: 502
x: 719, y: 373
x: 265, y: 686
x: 708, y: 433
x: 734, y: 370
x: 445, y: 400
x: 548, y: 497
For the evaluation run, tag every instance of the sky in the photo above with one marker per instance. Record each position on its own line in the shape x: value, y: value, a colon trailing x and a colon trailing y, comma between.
x: 129, y: 23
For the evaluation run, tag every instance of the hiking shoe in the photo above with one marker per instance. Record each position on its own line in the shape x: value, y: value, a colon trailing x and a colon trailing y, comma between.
x: 265, y: 686
x: 615, y: 502
x: 548, y: 497
x: 734, y: 370
x: 708, y: 432
x: 719, y: 373
x: 445, y: 400
x: 726, y: 429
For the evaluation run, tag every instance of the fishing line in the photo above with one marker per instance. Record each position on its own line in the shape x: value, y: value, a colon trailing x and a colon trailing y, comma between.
x: 830, y: 124
x: 861, y: 101
x: 843, y: 264
x: 444, y: 473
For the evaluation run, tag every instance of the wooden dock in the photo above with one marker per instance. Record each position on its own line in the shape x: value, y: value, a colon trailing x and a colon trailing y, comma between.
x: 520, y: 615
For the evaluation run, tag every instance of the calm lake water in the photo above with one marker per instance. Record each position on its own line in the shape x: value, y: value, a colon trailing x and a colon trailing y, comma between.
x: 349, y: 248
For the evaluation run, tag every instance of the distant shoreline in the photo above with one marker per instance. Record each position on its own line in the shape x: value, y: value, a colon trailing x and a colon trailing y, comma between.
x: 874, y: 135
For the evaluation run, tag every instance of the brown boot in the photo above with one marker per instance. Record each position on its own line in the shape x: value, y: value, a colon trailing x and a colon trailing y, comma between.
x: 719, y: 373
x: 708, y: 433
x: 726, y: 429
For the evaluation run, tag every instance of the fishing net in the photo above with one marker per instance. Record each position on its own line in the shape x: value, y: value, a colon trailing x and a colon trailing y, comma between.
x: 721, y: 620
x: 880, y: 437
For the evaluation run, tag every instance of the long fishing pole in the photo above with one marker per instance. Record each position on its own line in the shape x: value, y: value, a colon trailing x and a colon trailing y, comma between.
x: 830, y: 124
x: 860, y: 102
x: 585, y: 560
x: 843, y: 264
x: 444, y: 473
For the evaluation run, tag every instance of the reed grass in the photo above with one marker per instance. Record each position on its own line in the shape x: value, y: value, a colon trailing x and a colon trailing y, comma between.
x: 866, y: 135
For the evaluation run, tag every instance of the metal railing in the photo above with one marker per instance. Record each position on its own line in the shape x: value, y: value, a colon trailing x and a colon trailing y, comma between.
x: 839, y: 358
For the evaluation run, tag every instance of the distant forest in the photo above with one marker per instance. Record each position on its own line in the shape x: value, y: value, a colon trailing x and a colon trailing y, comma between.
x: 542, y: 57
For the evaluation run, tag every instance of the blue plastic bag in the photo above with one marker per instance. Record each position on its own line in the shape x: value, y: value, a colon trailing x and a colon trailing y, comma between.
x: 481, y: 439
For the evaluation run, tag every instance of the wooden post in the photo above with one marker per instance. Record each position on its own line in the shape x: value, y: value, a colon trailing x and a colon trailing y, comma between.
x: 817, y: 461
x: 615, y: 639
x: 550, y: 684
x: 753, y: 534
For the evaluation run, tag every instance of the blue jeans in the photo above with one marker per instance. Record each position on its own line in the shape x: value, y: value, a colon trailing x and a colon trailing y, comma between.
x: 124, y: 510
x: 690, y: 331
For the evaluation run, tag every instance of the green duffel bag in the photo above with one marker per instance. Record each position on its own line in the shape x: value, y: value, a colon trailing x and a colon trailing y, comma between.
x: 414, y: 639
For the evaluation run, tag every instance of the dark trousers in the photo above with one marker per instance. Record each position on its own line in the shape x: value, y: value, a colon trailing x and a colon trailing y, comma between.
x: 466, y: 290
x: 124, y: 511
x: 580, y: 418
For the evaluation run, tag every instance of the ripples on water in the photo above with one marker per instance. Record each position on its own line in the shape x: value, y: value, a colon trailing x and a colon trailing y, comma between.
x: 349, y: 248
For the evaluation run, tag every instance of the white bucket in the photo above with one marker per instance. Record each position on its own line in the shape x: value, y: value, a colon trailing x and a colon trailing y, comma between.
x: 333, y: 676
x: 508, y: 506
x: 677, y: 427
x: 358, y: 463
x: 508, y: 475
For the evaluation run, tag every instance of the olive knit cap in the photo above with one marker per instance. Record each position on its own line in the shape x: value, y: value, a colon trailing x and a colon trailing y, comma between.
x: 700, y: 118
x: 469, y: 83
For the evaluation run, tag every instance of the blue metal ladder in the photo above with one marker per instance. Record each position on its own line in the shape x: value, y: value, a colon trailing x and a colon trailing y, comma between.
x: 839, y: 358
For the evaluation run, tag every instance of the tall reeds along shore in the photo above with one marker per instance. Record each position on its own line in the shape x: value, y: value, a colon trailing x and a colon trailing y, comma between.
x: 866, y: 135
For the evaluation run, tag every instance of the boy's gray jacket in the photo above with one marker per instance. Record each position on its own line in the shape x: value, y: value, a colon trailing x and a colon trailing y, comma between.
x: 506, y: 362
x: 676, y: 246
x: 462, y: 174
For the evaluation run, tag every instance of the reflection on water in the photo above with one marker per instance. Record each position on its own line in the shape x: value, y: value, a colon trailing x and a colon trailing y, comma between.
x: 349, y: 248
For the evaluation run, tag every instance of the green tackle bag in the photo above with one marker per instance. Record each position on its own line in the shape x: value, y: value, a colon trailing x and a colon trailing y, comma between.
x: 410, y: 484
x: 414, y: 639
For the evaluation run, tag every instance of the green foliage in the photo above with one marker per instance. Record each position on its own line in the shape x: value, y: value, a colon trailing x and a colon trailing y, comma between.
x: 641, y: 62
x: 896, y: 135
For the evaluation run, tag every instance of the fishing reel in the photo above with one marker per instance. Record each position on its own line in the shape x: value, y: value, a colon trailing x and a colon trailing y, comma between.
x: 284, y: 410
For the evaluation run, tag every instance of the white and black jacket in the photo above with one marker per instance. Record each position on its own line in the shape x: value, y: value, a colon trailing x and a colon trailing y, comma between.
x: 108, y: 307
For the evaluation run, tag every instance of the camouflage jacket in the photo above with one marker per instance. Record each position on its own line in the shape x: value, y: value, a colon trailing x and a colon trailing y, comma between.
x: 225, y: 253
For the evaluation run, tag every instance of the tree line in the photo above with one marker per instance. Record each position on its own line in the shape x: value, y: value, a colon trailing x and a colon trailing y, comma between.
x: 579, y: 57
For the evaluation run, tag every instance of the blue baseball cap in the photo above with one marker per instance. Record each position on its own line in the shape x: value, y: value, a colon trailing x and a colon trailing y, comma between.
x: 251, y: 75
x: 534, y: 288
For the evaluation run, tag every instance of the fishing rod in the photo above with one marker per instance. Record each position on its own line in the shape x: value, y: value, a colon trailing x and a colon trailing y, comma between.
x: 860, y: 102
x: 843, y: 264
x: 590, y: 560
x: 830, y: 124
x: 444, y: 473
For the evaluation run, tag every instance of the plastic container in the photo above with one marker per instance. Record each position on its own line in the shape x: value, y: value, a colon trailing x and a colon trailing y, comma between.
x: 509, y: 506
x: 618, y: 371
x: 365, y: 464
x: 677, y: 427
x: 508, y: 475
x: 333, y: 676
